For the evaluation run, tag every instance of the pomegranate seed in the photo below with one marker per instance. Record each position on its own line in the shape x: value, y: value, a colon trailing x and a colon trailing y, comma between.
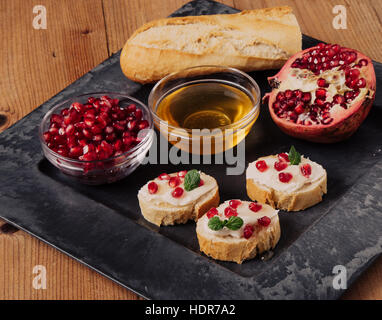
x: 118, y: 145
x: 75, y: 151
x: 234, y: 203
x: 91, y: 100
x: 89, y: 122
x: 87, y: 133
x: 127, y: 141
x: 58, y: 139
x: 212, y: 212
x: 177, y: 192
x: 131, y: 108
x: 322, y: 83
x: 261, y: 165
x: 321, y: 93
x: 56, y: 118
x: 117, y: 126
x: 288, y: 94
x: 280, y: 97
x: 110, y: 137
x: 62, y: 151
x: 255, y: 207
x: 306, y: 170
x: 53, y: 131
x: 362, y: 63
x: 297, y: 94
x: 348, y: 95
x: 248, y: 231
x: 336, y: 48
x: 280, y: 165
x: 174, y: 182
x: 299, y: 109
x: 88, y: 148
x: 327, y: 106
x: 138, y: 114
x: 182, y: 174
x: 152, y: 187
x: 201, y: 183
x: 143, y: 125
x: 164, y: 176
x: 306, y: 97
x: 47, y: 136
x: 77, y: 106
x: 361, y: 83
x: 109, y: 129
x: 82, y: 142
x: 90, y: 156
x: 329, y: 120
x: 70, y: 130
x: 285, y: 177
x: 98, y: 138
x: 264, y: 221
x: 64, y: 112
x: 319, y: 102
x: 132, y: 125
x: 230, y: 212
x: 338, y: 99
x: 351, y: 57
x: 283, y: 156
x: 354, y: 73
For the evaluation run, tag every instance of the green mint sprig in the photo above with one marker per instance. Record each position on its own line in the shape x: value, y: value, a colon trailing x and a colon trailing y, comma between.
x: 294, y: 156
x: 233, y: 223
x: 191, y: 180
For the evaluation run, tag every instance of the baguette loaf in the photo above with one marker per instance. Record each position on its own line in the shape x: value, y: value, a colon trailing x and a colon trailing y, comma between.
x: 249, y: 40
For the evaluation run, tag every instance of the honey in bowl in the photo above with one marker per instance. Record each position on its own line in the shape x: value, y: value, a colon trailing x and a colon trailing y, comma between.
x: 205, y: 109
x: 204, y: 106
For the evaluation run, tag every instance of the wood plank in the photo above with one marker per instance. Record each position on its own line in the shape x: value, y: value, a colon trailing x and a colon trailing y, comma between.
x: 66, y: 278
x: 36, y: 65
x: 80, y: 35
x: 124, y: 17
x: 39, y: 63
x: 316, y: 17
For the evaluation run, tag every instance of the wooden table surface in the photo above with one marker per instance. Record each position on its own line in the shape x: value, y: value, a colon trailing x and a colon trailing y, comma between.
x: 36, y: 64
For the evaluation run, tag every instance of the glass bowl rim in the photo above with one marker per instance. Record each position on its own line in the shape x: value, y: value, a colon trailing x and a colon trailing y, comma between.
x: 252, y: 113
x: 130, y: 153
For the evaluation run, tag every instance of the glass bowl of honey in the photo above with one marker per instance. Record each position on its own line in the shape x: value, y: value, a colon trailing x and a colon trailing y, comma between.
x: 205, y: 109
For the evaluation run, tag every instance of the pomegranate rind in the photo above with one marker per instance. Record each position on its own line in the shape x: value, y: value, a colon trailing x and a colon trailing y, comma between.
x: 342, y: 126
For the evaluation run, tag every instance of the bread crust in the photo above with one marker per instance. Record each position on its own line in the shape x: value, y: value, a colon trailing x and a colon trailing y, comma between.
x: 238, y: 250
x: 149, y: 60
x: 294, y: 201
x: 169, y: 215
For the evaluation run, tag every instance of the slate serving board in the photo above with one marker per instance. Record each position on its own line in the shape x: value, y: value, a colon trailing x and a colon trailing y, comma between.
x: 102, y: 226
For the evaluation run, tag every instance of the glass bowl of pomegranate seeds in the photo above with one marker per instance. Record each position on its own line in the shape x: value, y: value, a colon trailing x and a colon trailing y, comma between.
x: 97, y: 137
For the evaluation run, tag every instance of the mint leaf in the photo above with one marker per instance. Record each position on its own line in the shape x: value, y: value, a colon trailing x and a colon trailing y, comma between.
x: 294, y: 156
x: 234, y: 223
x: 191, y: 180
x: 215, y: 223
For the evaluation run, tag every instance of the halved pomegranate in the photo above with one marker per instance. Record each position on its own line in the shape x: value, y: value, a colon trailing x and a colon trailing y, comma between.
x: 323, y: 93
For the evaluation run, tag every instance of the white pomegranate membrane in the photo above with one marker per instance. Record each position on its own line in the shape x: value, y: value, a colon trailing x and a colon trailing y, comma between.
x: 97, y: 130
x: 320, y: 82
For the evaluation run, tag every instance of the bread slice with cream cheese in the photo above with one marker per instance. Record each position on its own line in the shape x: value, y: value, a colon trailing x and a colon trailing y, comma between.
x: 270, y: 183
x: 170, y: 203
x: 259, y: 231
